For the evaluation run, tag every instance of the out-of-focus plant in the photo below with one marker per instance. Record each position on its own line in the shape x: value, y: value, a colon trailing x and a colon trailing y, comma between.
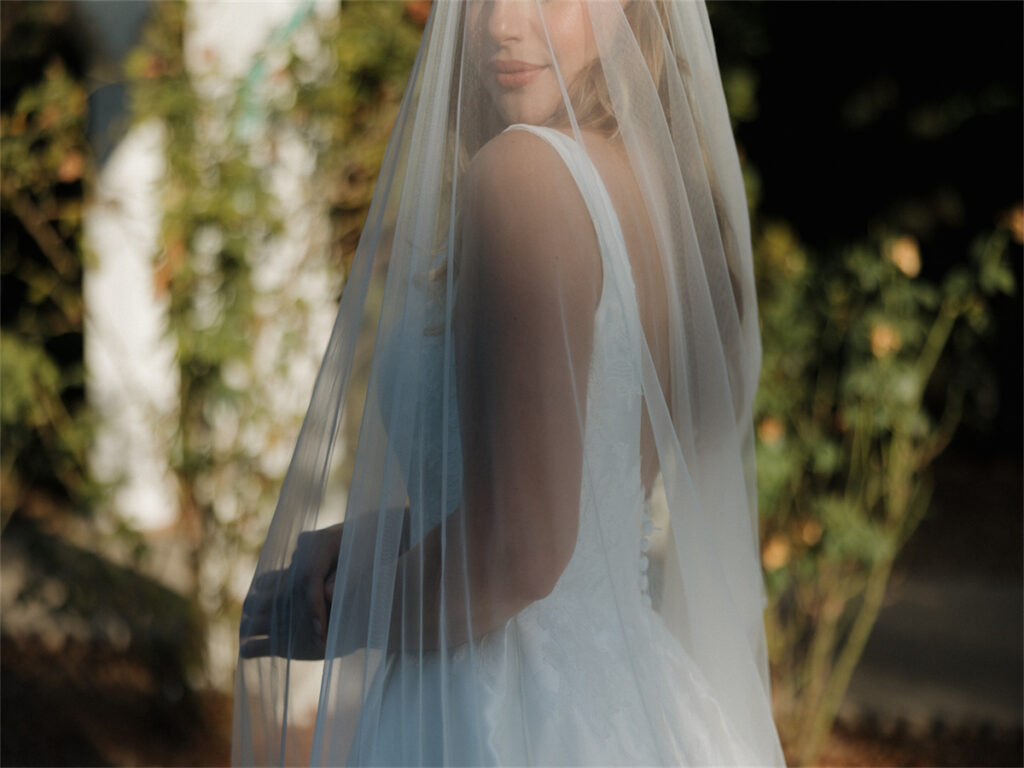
x: 332, y: 85
x: 66, y: 596
x: 857, y: 358
x: 44, y: 421
x: 347, y: 102
x: 216, y: 213
x: 869, y: 360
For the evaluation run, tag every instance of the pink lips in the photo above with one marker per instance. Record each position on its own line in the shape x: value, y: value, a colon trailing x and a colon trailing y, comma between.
x: 511, y: 73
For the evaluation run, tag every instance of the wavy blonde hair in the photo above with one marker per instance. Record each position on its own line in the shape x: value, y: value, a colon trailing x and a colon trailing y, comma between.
x: 591, y: 103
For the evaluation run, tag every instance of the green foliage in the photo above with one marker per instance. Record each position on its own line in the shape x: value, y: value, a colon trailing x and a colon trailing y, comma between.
x: 333, y: 85
x: 53, y: 535
x: 41, y: 438
x: 346, y: 103
x: 857, y: 353
x: 44, y: 422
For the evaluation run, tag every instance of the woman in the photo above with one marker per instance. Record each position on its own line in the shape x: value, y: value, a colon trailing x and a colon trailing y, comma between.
x: 549, y: 550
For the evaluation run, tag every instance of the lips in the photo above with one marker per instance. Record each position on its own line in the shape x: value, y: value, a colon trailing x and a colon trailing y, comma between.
x: 511, y: 73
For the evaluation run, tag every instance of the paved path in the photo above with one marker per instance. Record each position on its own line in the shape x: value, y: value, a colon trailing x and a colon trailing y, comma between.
x: 944, y: 651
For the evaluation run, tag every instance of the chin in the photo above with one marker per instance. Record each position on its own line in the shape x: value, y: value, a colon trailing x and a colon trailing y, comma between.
x: 522, y: 111
x: 532, y: 106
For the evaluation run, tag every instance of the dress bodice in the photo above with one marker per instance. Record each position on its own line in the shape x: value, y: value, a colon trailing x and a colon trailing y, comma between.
x: 589, y: 674
x: 611, y: 478
x: 612, y: 508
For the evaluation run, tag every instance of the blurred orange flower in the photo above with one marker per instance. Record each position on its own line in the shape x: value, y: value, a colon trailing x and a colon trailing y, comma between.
x: 418, y: 11
x: 810, y: 532
x: 906, y: 255
x: 71, y: 166
x: 884, y: 340
x: 1014, y: 221
x: 770, y: 430
x: 775, y: 553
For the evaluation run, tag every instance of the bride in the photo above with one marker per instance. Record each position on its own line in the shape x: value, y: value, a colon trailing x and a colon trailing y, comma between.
x: 547, y: 549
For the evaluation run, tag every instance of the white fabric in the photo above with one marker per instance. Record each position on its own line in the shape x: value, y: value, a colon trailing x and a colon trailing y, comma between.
x: 560, y: 662
x: 549, y: 551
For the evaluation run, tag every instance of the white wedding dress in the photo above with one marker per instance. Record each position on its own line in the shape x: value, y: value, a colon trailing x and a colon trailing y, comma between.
x: 560, y: 683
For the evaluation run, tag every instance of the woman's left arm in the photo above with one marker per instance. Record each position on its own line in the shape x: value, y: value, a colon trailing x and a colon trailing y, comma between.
x: 529, y: 282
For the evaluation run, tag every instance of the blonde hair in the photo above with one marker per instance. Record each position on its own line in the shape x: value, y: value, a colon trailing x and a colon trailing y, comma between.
x: 591, y: 102
x: 588, y: 93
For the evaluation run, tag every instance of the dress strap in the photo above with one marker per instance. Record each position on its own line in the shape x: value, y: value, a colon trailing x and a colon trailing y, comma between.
x: 610, y: 240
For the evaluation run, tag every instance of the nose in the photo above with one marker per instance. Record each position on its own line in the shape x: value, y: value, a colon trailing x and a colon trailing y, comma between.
x: 507, y: 18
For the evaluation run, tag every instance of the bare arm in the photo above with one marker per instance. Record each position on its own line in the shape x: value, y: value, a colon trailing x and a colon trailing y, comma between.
x: 529, y: 281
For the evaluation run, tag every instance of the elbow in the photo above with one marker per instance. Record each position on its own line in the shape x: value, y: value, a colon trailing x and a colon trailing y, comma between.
x: 521, y: 559
x: 536, y: 571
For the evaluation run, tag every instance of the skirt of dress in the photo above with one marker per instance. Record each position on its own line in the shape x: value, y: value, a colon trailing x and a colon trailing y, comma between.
x: 550, y: 688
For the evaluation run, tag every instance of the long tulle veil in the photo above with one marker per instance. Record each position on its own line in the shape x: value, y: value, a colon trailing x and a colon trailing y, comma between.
x: 470, y: 468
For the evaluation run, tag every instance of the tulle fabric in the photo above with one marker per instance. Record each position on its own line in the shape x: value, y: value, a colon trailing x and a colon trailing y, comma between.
x: 549, y: 551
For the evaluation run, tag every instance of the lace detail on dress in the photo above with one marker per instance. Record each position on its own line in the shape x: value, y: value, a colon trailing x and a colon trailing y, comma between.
x: 646, y: 531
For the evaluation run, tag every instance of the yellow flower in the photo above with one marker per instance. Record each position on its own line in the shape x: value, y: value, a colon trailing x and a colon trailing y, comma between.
x: 775, y: 553
x: 884, y: 340
x: 904, y: 253
x: 810, y: 532
x: 71, y: 166
x: 770, y: 430
x: 1014, y: 221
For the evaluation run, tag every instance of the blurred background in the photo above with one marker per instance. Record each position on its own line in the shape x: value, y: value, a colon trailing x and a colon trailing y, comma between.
x: 183, y: 187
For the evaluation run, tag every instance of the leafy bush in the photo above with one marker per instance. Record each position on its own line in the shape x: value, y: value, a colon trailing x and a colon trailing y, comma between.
x: 857, y: 353
x: 44, y: 421
x: 330, y: 85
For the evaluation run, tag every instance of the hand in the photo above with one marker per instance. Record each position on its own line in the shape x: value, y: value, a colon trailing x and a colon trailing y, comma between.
x: 286, y: 611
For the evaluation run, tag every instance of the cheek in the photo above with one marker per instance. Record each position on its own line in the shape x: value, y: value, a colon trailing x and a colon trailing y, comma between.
x: 571, y: 38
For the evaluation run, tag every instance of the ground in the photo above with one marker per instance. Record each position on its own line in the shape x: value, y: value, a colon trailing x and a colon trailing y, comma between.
x: 88, y: 704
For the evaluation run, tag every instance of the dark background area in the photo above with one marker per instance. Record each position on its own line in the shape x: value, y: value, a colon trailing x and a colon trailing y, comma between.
x: 899, y: 113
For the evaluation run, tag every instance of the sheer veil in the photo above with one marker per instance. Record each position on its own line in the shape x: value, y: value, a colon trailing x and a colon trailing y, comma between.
x: 475, y: 484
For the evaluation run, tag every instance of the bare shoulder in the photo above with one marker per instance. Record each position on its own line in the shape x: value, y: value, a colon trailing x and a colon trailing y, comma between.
x: 518, y: 162
x: 522, y: 211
